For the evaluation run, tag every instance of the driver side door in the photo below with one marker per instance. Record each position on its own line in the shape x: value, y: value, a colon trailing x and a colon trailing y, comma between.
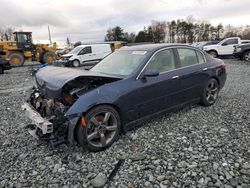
x: 227, y: 47
x: 85, y: 54
x: 152, y: 94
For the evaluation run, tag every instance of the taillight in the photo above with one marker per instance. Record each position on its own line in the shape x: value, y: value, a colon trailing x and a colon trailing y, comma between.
x: 223, y: 65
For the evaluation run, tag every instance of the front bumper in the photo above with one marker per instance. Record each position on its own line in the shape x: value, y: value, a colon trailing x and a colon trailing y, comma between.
x: 41, y: 123
x: 64, y: 62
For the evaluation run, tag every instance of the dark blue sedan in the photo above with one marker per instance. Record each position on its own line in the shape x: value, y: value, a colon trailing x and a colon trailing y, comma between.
x: 134, y: 83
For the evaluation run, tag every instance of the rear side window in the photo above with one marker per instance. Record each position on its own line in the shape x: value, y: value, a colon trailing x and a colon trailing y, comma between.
x: 162, y: 61
x: 200, y: 57
x: 187, y: 57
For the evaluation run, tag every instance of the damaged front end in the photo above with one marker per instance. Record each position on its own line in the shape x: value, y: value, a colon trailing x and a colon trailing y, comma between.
x: 47, y: 116
x: 56, y: 91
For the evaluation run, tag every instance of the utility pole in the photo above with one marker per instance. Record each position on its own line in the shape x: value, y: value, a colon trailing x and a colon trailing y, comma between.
x: 49, y: 35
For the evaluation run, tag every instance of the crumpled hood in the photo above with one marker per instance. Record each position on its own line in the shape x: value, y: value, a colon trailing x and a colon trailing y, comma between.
x: 67, y: 55
x: 52, y: 79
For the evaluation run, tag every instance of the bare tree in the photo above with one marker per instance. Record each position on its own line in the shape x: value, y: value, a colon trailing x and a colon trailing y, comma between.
x: 6, y: 33
x: 158, y: 30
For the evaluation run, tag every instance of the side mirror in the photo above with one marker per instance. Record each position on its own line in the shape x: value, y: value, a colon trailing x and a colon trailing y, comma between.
x: 224, y: 44
x: 151, y: 73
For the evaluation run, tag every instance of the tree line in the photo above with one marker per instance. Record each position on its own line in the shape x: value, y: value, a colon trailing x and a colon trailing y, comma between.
x: 187, y: 30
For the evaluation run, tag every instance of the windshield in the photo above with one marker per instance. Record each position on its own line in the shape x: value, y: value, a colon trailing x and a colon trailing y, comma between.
x: 76, y: 50
x: 120, y: 63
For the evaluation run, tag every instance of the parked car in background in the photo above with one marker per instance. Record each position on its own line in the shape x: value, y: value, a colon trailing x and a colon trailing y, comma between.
x: 201, y: 44
x: 4, y: 63
x: 225, y: 47
x: 92, y: 53
x: 133, y: 83
x: 242, y: 51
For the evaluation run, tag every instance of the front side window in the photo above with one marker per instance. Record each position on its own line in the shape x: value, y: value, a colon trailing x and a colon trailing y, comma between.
x: 188, y: 57
x: 86, y: 50
x: 230, y: 42
x: 22, y: 38
x: 162, y: 61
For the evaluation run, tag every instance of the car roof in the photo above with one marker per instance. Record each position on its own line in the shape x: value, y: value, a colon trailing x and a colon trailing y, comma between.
x: 85, y: 45
x: 151, y: 47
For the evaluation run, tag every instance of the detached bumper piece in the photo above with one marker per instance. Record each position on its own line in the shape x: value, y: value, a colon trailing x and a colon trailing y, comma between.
x: 41, y: 128
x: 43, y: 124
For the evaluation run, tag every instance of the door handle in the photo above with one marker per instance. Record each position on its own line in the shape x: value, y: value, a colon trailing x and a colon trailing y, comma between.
x: 175, y: 77
x: 205, y: 69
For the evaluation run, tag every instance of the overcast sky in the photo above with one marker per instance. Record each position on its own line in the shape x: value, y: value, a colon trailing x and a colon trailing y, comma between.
x: 86, y: 20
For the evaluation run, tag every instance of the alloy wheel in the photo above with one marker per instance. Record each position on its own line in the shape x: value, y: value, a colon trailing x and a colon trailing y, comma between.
x: 212, y: 91
x: 102, y: 128
x: 213, y: 54
x: 247, y: 56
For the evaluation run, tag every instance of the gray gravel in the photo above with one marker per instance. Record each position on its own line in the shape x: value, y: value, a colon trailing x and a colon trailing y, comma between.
x: 195, y: 147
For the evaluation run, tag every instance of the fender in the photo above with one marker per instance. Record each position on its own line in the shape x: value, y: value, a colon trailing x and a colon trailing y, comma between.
x: 100, y: 95
x: 85, y: 102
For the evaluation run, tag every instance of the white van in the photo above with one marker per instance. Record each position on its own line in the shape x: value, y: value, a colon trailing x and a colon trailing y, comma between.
x: 92, y: 53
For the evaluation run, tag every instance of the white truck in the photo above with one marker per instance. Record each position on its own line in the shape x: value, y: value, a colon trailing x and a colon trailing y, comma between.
x: 224, y: 47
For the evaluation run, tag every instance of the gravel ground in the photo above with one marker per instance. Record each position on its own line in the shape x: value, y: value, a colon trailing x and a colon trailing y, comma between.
x: 195, y: 147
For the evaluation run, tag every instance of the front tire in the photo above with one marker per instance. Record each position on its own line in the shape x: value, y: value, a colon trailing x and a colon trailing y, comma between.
x: 210, y: 92
x: 103, y: 126
x: 76, y: 63
x: 213, y: 53
x: 16, y: 59
x: 246, y: 56
x: 48, y: 57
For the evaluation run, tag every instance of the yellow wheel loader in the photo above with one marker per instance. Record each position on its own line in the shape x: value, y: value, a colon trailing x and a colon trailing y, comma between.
x: 22, y: 48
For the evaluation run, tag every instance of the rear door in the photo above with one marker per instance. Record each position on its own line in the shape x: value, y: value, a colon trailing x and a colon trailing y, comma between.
x: 193, y: 73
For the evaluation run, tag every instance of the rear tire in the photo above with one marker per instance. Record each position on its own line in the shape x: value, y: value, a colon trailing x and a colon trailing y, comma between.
x: 48, y: 57
x: 213, y: 53
x: 210, y: 92
x: 16, y: 59
x: 1, y: 70
x: 75, y: 63
x: 246, y: 56
x: 102, y: 128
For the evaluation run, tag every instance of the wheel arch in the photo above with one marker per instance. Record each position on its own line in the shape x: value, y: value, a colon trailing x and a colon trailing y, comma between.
x: 213, y: 50
x: 216, y: 78
x: 244, y: 51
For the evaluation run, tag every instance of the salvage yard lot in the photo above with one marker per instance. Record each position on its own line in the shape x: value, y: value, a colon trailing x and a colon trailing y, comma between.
x: 195, y: 147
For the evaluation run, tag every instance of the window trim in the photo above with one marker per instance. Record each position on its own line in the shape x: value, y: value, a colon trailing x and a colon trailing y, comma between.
x: 176, y: 57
